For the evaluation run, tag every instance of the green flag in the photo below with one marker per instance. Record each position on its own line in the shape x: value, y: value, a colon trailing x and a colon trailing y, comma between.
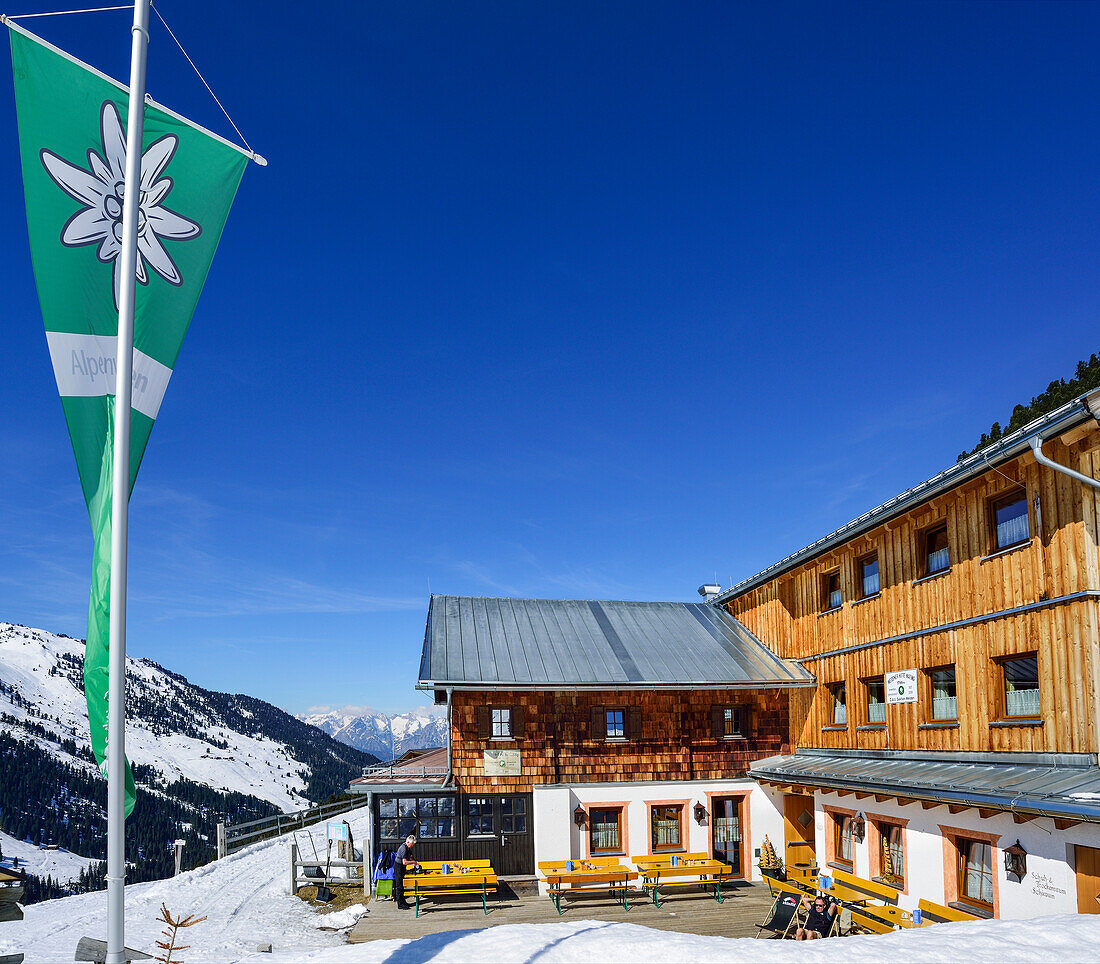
x: 72, y: 145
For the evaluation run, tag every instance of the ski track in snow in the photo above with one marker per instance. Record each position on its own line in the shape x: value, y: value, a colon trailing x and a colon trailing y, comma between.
x: 246, y: 902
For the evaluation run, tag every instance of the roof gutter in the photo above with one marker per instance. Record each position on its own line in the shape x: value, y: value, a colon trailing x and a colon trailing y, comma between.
x: 1008, y: 448
x: 1037, y: 448
x: 616, y: 685
x: 1054, y: 810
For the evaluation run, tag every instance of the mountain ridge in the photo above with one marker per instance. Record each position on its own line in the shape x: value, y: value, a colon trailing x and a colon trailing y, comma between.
x: 385, y: 735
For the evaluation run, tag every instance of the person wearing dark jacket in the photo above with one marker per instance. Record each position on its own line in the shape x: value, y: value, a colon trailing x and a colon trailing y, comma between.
x: 402, y: 860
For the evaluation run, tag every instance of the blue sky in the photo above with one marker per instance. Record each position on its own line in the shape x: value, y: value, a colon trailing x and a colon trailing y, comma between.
x: 562, y: 300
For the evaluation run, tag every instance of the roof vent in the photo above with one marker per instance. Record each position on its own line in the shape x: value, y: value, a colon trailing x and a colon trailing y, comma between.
x: 709, y: 591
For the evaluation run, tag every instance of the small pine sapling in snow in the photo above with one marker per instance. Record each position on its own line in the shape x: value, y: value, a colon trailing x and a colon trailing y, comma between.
x: 170, y: 946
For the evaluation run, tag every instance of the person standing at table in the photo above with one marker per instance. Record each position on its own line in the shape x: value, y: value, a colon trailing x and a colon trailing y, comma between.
x: 402, y: 860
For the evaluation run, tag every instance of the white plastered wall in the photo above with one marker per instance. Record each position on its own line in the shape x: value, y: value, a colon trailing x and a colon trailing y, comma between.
x: 1048, y: 887
x: 557, y: 837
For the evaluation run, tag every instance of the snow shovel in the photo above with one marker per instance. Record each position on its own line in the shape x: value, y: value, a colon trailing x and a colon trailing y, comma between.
x: 324, y: 892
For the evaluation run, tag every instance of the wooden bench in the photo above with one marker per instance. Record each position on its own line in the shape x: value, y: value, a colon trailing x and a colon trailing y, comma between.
x: 476, y: 881
x: 613, y: 878
x: 939, y: 914
x: 850, y: 887
x: 868, y: 922
x: 690, y: 870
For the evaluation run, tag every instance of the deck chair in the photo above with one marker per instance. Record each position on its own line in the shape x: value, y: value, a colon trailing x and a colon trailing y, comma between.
x: 784, y: 915
x: 842, y: 923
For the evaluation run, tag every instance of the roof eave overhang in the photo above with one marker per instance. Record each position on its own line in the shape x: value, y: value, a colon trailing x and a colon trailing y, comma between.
x: 1055, y: 809
x: 1018, y: 443
x: 483, y: 685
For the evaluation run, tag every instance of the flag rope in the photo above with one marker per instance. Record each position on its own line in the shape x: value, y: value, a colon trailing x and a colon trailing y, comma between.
x: 203, y: 79
x: 62, y: 13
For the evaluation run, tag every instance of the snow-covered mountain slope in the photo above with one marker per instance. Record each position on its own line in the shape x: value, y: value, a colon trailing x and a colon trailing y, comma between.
x: 244, y: 898
x: 382, y: 734
x: 62, y: 865
x: 217, y: 740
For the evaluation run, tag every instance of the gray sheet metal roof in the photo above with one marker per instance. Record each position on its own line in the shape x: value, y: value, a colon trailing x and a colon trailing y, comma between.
x: 1065, y: 786
x: 1012, y: 445
x: 473, y: 641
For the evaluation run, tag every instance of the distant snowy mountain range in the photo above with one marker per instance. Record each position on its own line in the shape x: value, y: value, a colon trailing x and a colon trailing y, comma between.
x: 383, y: 735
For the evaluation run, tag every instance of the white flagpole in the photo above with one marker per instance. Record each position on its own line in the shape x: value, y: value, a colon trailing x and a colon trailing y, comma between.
x: 120, y: 496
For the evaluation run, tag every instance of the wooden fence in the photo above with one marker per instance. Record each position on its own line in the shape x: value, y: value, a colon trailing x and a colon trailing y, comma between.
x: 232, y: 839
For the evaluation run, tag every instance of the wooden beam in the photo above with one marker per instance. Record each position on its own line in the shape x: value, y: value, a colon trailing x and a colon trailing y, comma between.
x: 929, y: 804
x: 1065, y: 824
x: 843, y: 793
x: 862, y: 796
x: 883, y: 797
x: 986, y: 812
x: 1024, y: 817
x: 957, y: 807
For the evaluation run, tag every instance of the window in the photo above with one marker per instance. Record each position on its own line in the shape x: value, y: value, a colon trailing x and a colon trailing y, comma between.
x: 937, y: 557
x: 480, y: 811
x: 1010, y: 527
x: 842, y: 839
x: 876, y: 700
x: 731, y: 721
x: 429, y: 817
x: 893, y: 854
x: 1021, y: 685
x: 665, y: 828
x: 942, y: 684
x: 502, y: 722
x: 513, y: 815
x: 606, y: 833
x: 840, y: 704
x: 616, y: 728
x: 830, y: 591
x: 868, y: 576
x: 975, y: 872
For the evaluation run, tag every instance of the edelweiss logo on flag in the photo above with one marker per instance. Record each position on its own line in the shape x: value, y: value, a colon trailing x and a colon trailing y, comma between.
x: 101, y: 191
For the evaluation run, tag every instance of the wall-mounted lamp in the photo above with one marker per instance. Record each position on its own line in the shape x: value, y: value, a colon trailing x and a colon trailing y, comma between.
x: 700, y: 813
x: 1016, y: 860
x: 859, y: 827
x: 578, y: 816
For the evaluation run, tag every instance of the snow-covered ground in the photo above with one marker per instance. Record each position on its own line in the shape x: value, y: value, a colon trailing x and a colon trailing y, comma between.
x: 246, y: 902
x: 60, y: 864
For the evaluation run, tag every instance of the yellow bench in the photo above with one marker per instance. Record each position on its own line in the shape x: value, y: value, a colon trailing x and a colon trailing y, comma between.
x: 658, y: 871
x: 939, y: 914
x: 869, y: 922
x: 850, y: 887
x: 614, y: 878
x: 437, y: 884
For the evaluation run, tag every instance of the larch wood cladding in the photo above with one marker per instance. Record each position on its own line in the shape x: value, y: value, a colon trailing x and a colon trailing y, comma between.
x: 1060, y: 559
x: 556, y: 745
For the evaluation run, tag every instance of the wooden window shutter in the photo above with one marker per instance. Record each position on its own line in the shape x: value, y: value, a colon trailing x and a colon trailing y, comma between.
x: 599, y: 723
x: 748, y: 721
x: 633, y: 723
x: 484, y: 723
x: 517, y: 722
x: 717, y: 721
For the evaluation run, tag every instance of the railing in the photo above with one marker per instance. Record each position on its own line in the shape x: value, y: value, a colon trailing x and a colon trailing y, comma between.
x: 395, y: 771
x: 298, y: 861
x: 232, y: 839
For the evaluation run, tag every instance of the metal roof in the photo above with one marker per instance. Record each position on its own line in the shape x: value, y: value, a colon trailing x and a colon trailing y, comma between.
x: 1012, y: 445
x: 479, y: 642
x: 1066, y: 786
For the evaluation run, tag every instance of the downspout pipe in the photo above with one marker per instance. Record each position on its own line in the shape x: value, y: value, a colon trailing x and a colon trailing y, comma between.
x: 450, y: 768
x: 1037, y: 448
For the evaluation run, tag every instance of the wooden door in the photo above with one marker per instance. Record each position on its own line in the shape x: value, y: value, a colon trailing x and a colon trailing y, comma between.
x: 798, y: 830
x: 1087, y: 864
x: 726, y: 832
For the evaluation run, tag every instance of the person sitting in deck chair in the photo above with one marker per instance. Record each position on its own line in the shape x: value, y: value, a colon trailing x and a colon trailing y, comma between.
x: 819, y: 919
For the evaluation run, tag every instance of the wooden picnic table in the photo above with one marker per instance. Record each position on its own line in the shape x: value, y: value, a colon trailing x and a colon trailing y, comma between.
x: 701, y: 871
x: 462, y: 879
x: 585, y: 876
